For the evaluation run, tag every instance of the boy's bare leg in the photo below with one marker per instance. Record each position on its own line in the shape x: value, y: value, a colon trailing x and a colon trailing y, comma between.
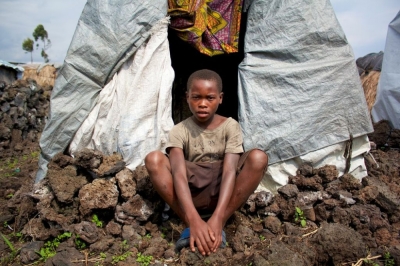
x: 159, y: 169
x: 247, y: 180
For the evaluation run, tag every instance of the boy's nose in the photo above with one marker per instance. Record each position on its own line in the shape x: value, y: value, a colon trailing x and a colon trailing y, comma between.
x: 202, y: 103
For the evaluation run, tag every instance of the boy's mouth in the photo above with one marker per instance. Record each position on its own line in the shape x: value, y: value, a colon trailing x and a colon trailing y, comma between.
x: 202, y: 113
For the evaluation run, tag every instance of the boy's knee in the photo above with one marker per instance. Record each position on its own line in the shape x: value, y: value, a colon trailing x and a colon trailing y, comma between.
x: 154, y: 158
x: 258, y: 159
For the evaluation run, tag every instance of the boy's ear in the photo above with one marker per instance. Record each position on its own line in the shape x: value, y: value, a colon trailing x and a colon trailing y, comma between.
x: 221, y: 96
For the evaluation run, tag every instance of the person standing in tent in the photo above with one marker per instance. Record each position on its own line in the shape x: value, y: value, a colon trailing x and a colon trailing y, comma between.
x: 205, y: 173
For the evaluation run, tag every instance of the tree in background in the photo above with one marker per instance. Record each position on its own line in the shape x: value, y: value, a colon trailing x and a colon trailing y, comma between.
x: 38, y: 33
x: 27, y: 45
x: 41, y: 33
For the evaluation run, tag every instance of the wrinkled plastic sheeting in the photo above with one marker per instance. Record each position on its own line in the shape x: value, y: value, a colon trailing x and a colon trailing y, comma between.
x: 107, y: 34
x: 299, y: 89
x: 278, y: 174
x: 133, y: 114
x: 387, y: 104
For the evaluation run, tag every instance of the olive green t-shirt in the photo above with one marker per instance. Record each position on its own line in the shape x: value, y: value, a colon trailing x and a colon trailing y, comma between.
x: 204, y: 145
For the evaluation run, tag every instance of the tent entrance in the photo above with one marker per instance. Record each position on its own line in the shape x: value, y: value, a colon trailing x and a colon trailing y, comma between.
x: 186, y: 60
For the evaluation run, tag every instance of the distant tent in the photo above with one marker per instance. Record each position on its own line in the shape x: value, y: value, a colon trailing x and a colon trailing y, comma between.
x: 9, y: 72
x: 387, y: 105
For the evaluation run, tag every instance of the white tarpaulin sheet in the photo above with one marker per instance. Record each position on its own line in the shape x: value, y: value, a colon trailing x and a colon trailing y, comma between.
x: 387, y: 104
x: 299, y: 89
x: 133, y: 113
x: 107, y: 34
x: 278, y: 173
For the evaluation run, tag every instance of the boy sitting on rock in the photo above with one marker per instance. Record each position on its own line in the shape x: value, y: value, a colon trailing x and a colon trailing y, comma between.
x: 206, y: 170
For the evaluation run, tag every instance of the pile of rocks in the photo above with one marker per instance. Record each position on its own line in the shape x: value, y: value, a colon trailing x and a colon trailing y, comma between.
x: 24, y: 106
x: 343, y: 219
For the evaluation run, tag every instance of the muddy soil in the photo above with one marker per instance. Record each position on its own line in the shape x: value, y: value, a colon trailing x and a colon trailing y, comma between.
x: 97, y: 212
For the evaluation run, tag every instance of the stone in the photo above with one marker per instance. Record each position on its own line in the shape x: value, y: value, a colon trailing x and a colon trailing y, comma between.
x: 65, y: 182
x: 100, y: 194
x: 309, y: 213
x: 263, y: 199
x: 273, y: 224
x: 279, y: 253
x: 138, y: 207
x: 113, y: 228
x: 289, y: 191
x: 305, y: 170
x: 29, y: 252
x: 131, y: 235
x: 67, y: 257
x: 328, y: 173
x: 126, y: 183
x: 386, y: 199
x: 102, y: 245
x: 5, y: 132
x: 310, y: 183
x: 382, y: 237
x: 336, y: 243
x: 308, y: 198
x: 5, y: 107
x: 87, y: 231
x: 349, y: 182
x: 88, y: 158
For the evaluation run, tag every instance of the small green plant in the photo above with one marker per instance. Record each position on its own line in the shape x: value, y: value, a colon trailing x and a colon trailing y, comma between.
x: 13, y: 253
x: 35, y: 154
x: 12, y: 164
x: 387, y: 259
x: 262, y: 238
x: 9, y: 244
x: 103, y: 256
x: 122, y: 257
x: 96, y: 220
x: 370, y: 262
x: 162, y: 235
x: 17, y: 235
x: 79, y: 243
x: 9, y: 196
x: 144, y: 260
x: 49, y: 249
x: 207, y: 262
x: 299, y: 217
x: 124, y: 245
x: 148, y: 236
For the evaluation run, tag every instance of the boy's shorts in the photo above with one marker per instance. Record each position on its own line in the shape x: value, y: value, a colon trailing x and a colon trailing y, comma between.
x: 205, y: 181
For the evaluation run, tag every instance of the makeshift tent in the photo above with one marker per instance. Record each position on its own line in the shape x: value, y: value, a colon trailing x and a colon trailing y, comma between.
x: 299, y: 95
x: 9, y: 72
x: 387, y: 105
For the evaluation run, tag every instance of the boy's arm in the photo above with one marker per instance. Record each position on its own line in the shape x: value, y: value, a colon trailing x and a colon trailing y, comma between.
x: 200, y: 232
x: 216, y: 221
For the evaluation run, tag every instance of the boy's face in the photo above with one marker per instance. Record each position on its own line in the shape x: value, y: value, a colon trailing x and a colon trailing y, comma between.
x: 203, y: 98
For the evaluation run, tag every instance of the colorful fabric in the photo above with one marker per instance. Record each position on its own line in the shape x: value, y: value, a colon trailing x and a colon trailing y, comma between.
x: 211, y: 26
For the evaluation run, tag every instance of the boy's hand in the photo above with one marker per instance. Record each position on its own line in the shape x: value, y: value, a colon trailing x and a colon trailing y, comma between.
x: 202, y: 235
x: 216, y: 228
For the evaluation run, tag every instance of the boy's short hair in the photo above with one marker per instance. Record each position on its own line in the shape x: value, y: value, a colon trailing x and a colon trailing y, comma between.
x: 205, y: 74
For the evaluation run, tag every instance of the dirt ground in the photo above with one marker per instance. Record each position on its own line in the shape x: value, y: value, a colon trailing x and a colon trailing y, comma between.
x: 97, y: 212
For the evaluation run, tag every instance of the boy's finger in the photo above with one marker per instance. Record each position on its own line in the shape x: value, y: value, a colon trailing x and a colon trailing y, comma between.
x: 201, y: 248
x: 212, y: 234
x: 217, y: 243
x: 192, y: 244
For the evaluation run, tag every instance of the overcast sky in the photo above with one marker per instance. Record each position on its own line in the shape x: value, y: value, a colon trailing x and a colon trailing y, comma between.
x: 363, y: 21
